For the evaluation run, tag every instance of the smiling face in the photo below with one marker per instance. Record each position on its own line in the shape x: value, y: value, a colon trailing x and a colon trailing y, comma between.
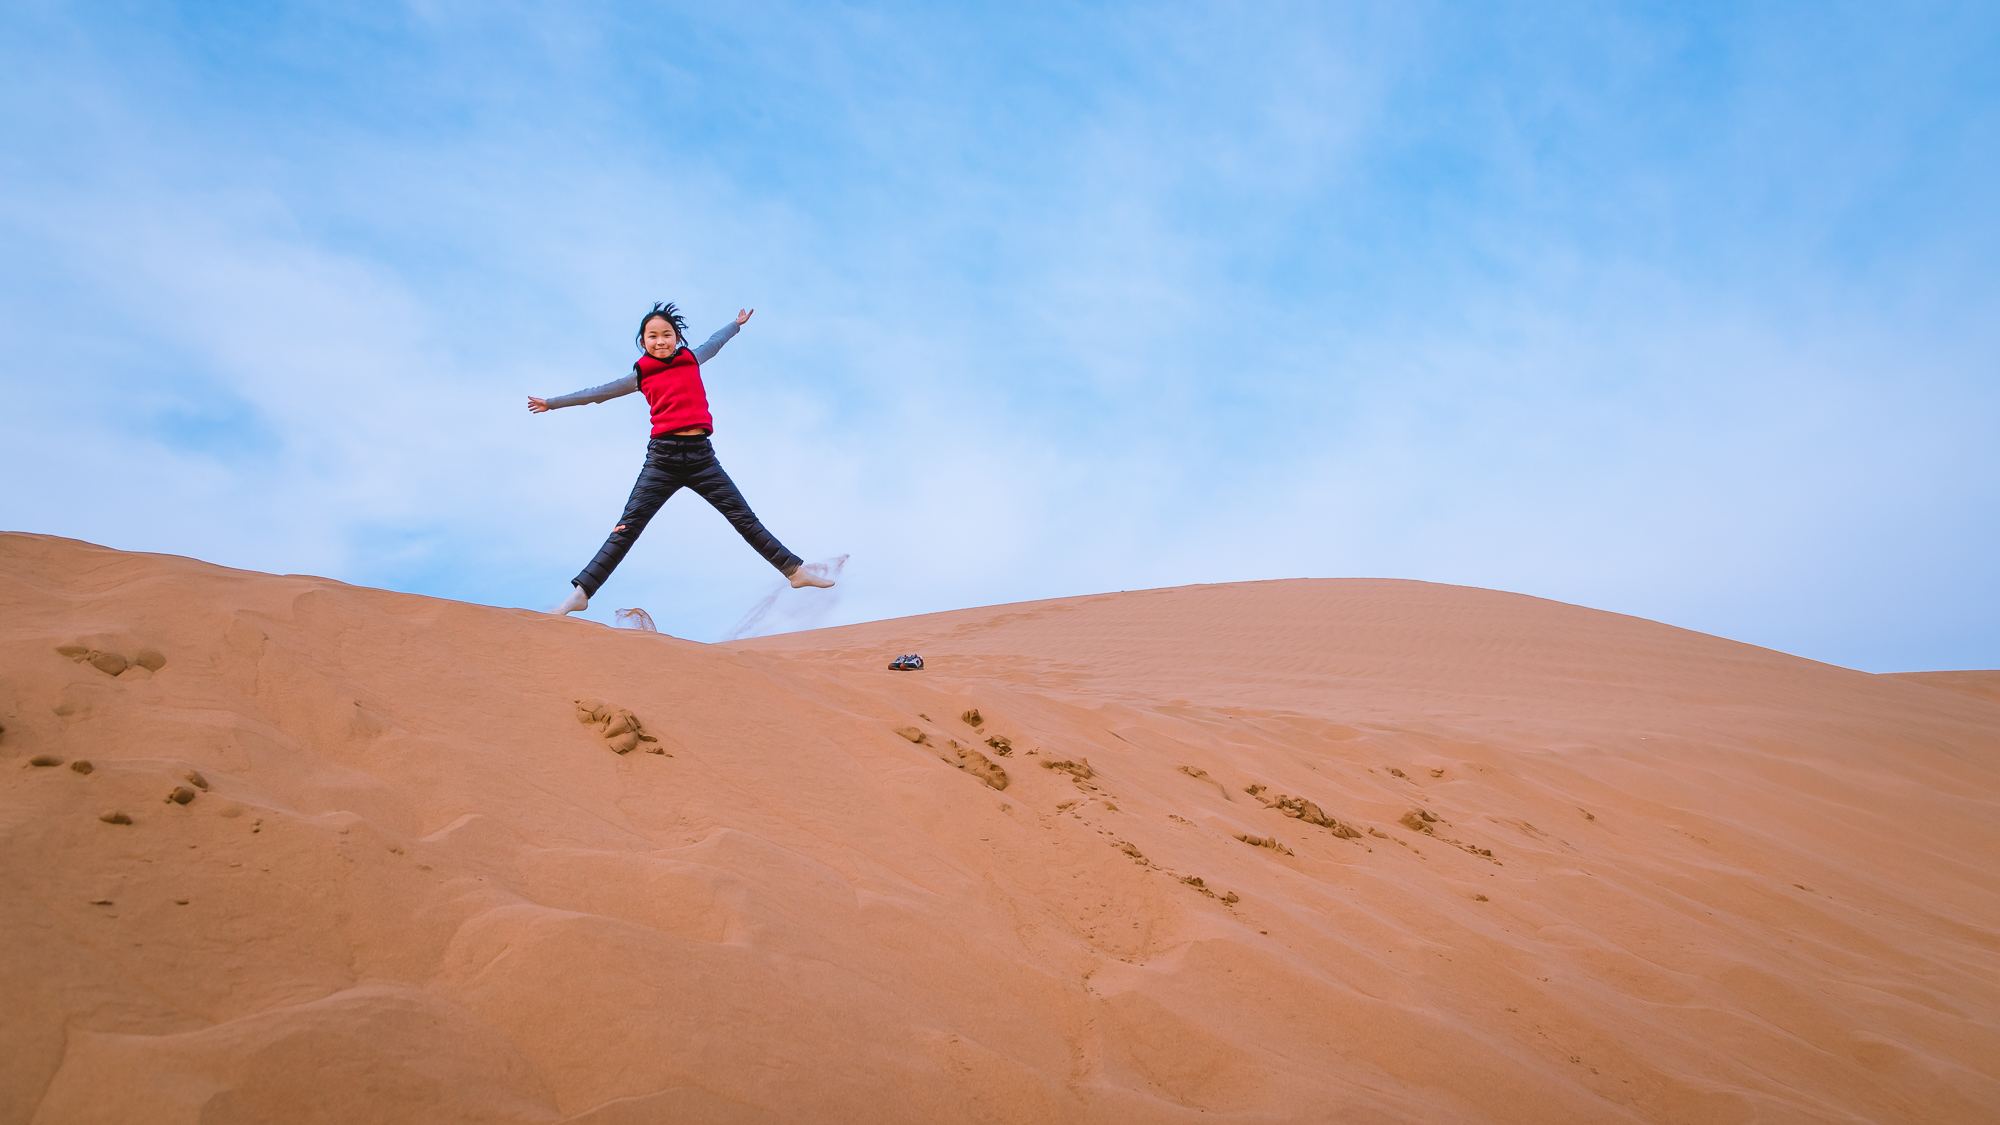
x: 661, y: 340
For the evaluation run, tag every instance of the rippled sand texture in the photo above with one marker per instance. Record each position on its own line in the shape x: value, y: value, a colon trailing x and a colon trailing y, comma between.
x: 1318, y: 850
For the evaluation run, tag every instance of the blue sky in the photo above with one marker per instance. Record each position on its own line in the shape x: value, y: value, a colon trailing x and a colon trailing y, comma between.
x: 1685, y: 311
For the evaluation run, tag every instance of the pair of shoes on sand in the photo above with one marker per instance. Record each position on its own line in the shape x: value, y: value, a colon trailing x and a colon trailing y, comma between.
x: 909, y: 662
x: 800, y: 578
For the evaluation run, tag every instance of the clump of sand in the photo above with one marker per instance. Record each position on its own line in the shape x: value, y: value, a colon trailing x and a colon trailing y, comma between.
x: 1507, y: 860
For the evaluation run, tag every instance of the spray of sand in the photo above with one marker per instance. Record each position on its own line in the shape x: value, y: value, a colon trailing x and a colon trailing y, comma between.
x: 636, y: 619
x: 770, y: 615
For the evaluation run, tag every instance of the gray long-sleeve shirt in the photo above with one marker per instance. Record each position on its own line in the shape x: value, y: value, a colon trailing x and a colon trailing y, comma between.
x: 620, y: 387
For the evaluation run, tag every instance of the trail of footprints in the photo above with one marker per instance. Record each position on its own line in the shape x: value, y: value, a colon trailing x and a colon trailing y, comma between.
x: 972, y: 761
x: 621, y: 731
x: 178, y: 795
x: 1417, y: 819
x: 965, y: 757
x: 1077, y: 769
x: 142, y: 664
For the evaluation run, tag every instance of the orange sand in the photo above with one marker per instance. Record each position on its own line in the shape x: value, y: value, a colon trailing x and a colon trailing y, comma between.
x: 1725, y: 884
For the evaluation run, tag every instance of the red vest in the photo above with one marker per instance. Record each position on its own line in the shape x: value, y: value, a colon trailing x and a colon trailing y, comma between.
x: 673, y: 389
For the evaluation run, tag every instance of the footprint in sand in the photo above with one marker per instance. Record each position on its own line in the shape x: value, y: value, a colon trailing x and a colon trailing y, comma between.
x: 962, y: 757
x: 109, y: 663
x: 181, y: 795
x: 999, y: 744
x: 1079, y: 769
x: 1420, y: 820
x: 975, y: 763
x: 1298, y: 808
x: 1270, y: 842
x: 1196, y: 882
x: 45, y: 760
x: 620, y: 728
x: 113, y: 816
x: 1200, y: 774
x: 113, y: 663
x: 195, y: 779
x: 82, y: 765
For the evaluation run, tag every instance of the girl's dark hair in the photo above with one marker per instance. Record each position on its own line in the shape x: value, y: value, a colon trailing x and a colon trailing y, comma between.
x: 661, y: 311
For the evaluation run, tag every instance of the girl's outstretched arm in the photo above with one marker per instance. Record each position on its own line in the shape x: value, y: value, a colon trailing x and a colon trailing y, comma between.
x: 723, y: 335
x: 614, y: 389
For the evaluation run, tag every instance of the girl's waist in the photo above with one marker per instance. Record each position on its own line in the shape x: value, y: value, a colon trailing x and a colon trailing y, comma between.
x: 679, y: 441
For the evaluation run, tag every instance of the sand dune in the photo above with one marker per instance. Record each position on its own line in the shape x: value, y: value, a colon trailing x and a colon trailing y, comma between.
x: 1328, y: 850
x: 1977, y: 684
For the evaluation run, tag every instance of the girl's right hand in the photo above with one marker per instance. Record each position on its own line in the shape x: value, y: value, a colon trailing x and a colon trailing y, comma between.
x: 537, y: 405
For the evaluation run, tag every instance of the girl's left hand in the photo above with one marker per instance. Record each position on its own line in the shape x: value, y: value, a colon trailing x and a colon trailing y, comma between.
x: 743, y: 316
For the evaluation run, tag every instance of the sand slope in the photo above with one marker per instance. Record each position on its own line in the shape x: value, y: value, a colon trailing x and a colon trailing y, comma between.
x: 1724, y: 884
x: 1978, y: 684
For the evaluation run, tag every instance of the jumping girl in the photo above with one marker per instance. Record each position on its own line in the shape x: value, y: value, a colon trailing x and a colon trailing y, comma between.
x: 678, y: 456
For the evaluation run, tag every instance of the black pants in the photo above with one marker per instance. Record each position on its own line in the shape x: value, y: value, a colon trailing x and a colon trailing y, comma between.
x: 673, y: 463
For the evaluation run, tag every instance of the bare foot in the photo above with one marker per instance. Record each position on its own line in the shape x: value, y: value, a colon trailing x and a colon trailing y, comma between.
x: 807, y: 575
x: 574, y: 602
